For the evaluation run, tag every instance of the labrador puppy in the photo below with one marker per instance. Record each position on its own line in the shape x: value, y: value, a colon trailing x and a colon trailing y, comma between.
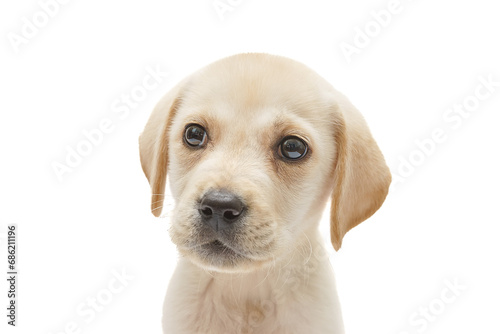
x: 254, y: 146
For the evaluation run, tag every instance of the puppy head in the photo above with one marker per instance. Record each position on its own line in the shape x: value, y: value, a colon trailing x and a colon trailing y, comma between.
x: 254, y: 145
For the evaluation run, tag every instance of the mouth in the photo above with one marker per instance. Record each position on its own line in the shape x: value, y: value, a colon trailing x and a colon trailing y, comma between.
x: 217, y: 248
x: 225, y: 250
x: 216, y: 255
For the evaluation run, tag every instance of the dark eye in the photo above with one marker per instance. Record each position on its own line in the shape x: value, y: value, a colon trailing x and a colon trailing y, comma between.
x: 293, y: 148
x: 195, y: 135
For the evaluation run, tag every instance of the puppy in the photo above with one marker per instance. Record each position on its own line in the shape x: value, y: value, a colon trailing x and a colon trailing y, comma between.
x: 254, y: 146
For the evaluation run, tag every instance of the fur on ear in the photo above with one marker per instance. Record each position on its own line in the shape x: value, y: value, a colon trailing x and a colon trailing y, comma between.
x: 361, y: 176
x: 153, y: 146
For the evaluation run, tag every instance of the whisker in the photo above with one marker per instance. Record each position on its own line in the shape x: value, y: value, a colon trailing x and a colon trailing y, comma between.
x: 291, y: 258
x: 310, y: 248
x: 169, y: 210
x: 278, y: 276
x: 208, y: 272
x: 267, y: 275
x: 171, y: 205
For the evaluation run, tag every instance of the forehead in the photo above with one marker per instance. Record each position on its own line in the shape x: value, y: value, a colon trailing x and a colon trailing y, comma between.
x: 258, y: 90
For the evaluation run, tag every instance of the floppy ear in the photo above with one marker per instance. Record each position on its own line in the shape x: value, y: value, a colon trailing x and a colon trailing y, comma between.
x: 153, y: 146
x: 361, y: 179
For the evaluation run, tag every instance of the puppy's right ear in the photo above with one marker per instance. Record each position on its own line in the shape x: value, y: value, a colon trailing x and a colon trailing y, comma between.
x: 153, y: 146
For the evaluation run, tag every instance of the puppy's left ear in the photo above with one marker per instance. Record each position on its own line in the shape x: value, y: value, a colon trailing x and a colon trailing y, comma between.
x: 153, y: 146
x: 361, y: 179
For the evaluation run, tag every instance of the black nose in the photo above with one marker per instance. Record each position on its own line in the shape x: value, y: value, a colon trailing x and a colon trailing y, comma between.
x: 220, y: 209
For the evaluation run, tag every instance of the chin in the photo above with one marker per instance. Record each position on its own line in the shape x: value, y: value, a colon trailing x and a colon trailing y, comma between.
x: 216, y: 256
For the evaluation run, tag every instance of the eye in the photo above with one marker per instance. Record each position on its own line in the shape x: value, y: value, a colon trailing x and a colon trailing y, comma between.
x: 195, y: 135
x: 292, y: 148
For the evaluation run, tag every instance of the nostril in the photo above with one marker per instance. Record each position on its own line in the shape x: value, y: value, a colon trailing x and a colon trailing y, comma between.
x: 231, y: 214
x: 207, y: 212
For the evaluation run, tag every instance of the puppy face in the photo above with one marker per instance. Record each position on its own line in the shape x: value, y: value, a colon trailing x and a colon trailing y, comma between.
x: 254, y: 146
x: 247, y: 153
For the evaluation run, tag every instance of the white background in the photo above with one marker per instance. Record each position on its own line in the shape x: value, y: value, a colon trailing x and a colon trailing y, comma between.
x: 440, y: 224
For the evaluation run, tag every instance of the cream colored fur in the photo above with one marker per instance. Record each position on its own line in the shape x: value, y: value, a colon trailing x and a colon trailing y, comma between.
x: 282, y: 281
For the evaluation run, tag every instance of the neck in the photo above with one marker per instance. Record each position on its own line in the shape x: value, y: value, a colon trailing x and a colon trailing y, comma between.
x: 301, y: 266
x: 300, y: 280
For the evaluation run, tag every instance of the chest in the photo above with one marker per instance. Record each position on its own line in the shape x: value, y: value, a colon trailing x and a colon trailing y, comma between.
x: 276, y: 311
